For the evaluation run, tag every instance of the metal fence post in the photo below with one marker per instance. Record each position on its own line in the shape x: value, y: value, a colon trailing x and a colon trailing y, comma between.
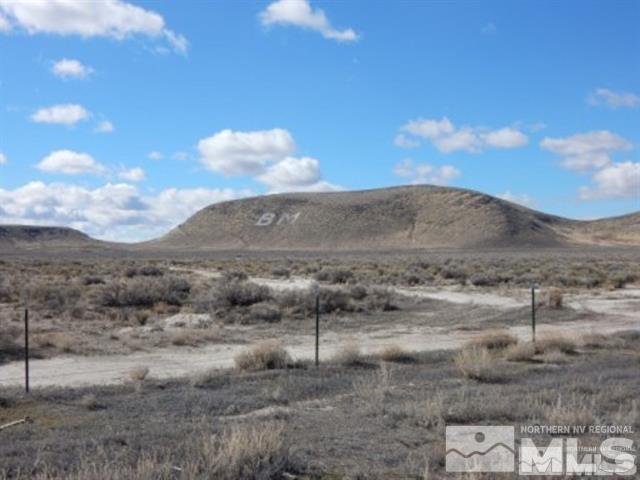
x: 26, y: 350
x: 533, y: 313
x: 317, y: 328
x: 315, y: 290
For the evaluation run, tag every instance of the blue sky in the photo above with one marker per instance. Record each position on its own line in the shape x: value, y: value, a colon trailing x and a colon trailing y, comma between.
x: 197, y: 101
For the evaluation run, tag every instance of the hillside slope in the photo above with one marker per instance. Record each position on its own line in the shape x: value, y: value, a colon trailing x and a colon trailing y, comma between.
x: 412, y: 217
x: 28, y: 237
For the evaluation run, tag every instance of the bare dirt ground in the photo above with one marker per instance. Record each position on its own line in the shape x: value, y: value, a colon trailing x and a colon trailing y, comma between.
x: 408, y: 345
x: 616, y: 311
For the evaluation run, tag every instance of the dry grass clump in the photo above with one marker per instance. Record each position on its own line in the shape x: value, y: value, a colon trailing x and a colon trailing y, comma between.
x: 268, y: 355
x: 596, y: 340
x: 497, y: 340
x: 428, y: 413
x: 240, y: 452
x: 573, y: 410
x: 60, y: 341
x: 375, y: 389
x: 395, y: 353
x: 520, y: 352
x: 476, y: 363
x: 554, y: 298
x: 350, y: 355
x: 559, y: 343
x: 555, y: 357
x: 89, y: 401
x: 138, y: 374
x: 193, y: 337
x: 184, y: 338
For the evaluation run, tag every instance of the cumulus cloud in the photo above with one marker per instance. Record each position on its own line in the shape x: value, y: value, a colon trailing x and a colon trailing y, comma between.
x: 584, y: 151
x: 447, y: 138
x: 521, y: 199
x: 3, y: 158
x: 132, y: 174
x: 265, y: 155
x: 70, y: 68
x: 617, y: 180
x: 155, y: 155
x: 613, y: 100
x: 106, y: 18
x: 295, y: 175
x: 67, y: 114
x: 245, y: 153
x: 292, y: 171
x: 5, y: 26
x: 505, y: 138
x: 111, y: 212
x: 420, y: 173
x: 403, y: 141
x: 299, y: 13
x: 105, y: 126
x: 71, y: 163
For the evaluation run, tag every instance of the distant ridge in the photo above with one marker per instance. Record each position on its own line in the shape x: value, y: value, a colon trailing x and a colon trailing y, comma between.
x: 398, y: 218
x: 28, y: 236
x: 389, y: 219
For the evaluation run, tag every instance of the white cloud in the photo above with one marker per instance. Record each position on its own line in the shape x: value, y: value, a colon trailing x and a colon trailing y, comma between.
x: 299, y: 13
x: 617, y: 180
x: 614, y: 100
x: 292, y: 171
x: 419, y: 173
x: 430, y: 129
x: 106, y: 18
x: 403, y: 141
x: 464, y: 138
x: 522, y: 198
x: 132, y: 174
x: 70, y: 68
x: 3, y: 158
x: 244, y: 153
x: 111, y: 212
x: 71, y: 163
x: 584, y: 151
x: 5, y: 26
x: 447, y: 138
x: 296, y: 175
x: 155, y: 155
x: 67, y: 114
x: 505, y: 138
x: 105, y: 126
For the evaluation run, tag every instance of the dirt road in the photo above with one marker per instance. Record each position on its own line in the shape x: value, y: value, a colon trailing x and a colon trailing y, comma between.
x: 619, y: 306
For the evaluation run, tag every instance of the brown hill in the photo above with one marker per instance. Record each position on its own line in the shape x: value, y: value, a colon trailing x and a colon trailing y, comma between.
x: 27, y: 236
x: 398, y: 218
